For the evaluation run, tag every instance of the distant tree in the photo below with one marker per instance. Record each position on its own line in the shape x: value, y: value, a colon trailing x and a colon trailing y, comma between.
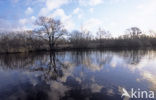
x: 134, y: 32
x: 101, y: 34
x: 76, y: 36
x: 50, y: 30
x: 87, y: 35
x: 80, y: 39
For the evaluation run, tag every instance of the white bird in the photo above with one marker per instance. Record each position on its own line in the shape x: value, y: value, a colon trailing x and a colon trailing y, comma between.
x: 125, y: 93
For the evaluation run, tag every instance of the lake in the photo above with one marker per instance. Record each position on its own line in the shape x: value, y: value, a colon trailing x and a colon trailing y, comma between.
x: 77, y: 75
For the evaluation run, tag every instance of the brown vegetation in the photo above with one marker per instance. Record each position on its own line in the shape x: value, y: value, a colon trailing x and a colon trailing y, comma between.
x: 50, y: 35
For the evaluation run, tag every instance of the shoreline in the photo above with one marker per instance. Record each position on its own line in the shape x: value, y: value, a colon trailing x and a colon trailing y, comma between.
x: 83, y: 49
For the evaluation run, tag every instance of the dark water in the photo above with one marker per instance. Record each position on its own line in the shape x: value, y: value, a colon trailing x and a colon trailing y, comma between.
x: 91, y: 75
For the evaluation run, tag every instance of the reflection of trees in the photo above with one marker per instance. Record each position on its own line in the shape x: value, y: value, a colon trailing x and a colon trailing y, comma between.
x: 90, y: 59
x: 71, y: 73
x: 20, y: 61
x: 133, y: 56
x: 49, y: 65
x: 52, y: 72
x: 55, y: 65
x: 51, y: 69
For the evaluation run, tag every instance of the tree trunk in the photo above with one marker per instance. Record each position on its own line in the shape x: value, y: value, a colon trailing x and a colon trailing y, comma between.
x: 51, y: 44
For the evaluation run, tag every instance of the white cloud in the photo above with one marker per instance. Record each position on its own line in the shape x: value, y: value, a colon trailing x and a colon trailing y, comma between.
x: 76, y: 11
x: 52, y: 9
x: 23, y: 21
x: 95, y: 2
x: 50, y: 5
x: 44, y: 12
x: 116, y: 1
x: 80, y: 16
x: 144, y: 16
x: 53, y: 4
x: 90, y: 2
x: 91, y: 10
x: 29, y: 11
x: 92, y: 24
x: 59, y: 13
x: 33, y: 18
x: 148, y: 7
x: 140, y: 15
x: 27, y: 23
x: 65, y: 19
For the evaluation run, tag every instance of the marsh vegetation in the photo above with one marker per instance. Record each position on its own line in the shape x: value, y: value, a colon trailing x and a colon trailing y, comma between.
x: 50, y: 34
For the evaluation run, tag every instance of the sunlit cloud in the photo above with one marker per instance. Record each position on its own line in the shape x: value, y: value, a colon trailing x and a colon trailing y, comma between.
x: 92, y: 24
x: 91, y: 10
x: 66, y: 19
x: 29, y: 11
x: 76, y: 11
x: 90, y: 2
x: 113, y: 15
x: 51, y: 5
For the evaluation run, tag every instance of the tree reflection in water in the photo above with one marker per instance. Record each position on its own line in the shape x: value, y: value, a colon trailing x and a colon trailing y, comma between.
x: 71, y: 75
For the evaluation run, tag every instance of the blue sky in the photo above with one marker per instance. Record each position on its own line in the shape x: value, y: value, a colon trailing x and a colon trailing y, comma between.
x: 112, y: 15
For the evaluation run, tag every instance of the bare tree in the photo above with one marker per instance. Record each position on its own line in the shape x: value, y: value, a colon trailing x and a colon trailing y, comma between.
x: 101, y: 34
x: 50, y: 30
x: 80, y: 39
x: 134, y: 31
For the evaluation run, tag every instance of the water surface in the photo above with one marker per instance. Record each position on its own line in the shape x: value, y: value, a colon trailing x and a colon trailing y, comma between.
x: 78, y: 75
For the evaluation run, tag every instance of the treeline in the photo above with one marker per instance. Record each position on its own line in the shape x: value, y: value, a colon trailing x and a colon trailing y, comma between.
x: 131, y: 40
x: 20, y: 42
x: 51, y: 35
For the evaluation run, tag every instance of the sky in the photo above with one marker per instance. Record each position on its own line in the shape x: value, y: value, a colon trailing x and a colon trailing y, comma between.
x: 114, y: 16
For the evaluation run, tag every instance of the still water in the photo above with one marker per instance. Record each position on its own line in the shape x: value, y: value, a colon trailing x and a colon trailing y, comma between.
x: 83, y: 75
